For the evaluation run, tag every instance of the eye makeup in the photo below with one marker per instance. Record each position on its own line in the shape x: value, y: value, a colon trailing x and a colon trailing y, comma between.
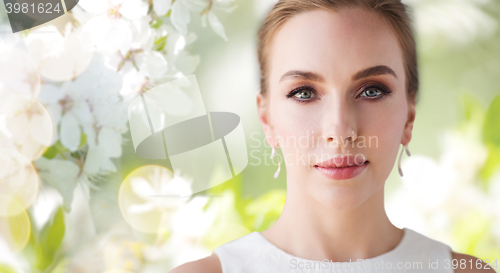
x: 303, y: 94
x: 384, y: 91
x: 306, y: 93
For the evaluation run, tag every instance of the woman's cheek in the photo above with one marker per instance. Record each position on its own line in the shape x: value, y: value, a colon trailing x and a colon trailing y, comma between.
x: 297, y: 122
x: 385, y: 135
x: 291, y: 126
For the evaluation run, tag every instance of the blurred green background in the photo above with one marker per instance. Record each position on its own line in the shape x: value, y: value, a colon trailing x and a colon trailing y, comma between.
x: 458, y: 46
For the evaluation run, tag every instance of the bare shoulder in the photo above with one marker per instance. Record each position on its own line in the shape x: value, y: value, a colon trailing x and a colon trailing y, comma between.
x: 210, y: 264
x: 477, y: 265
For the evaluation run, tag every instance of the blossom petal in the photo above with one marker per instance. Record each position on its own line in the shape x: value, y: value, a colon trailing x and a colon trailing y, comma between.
x: 143, y: 34
x: 97, y: 160
x: 50, y: 94
x: 180, y: 16
x: 82, y: 111
x: 110, y: 142
x: 134, y: 9
x: 107, y: 165
x: 154, y: 64
x: 161, y: 7
x: 70, y: 132
x: 92, y: 161
x: 186, y: 63
x: 60, y: 58
x: 110, y: 34
x: 216, y: 25
x: 62, y: 175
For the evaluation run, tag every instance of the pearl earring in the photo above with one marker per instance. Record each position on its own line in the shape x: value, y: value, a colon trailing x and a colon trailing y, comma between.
x: 405, y: 147
x: 273, y: 152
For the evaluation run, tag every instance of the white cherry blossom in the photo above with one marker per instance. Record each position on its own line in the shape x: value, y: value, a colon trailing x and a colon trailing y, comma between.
x: 63, y: 175
x: 90, y: 70
x: 207, y: 13
x: 60, y: 58
x: 18, y: 73
x: 111, y: 29
x: 25, y: 125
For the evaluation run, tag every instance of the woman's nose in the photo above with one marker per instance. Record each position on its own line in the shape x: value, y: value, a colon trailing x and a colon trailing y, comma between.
x: 339, y: 124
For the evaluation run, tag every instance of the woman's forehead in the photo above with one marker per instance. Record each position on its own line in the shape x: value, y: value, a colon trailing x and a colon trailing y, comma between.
x: 334, y: 43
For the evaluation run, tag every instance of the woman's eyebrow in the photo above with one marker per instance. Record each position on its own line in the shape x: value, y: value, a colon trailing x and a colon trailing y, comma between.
x: 305, y: 75
x: 374, y: 71
x: 371, y: 71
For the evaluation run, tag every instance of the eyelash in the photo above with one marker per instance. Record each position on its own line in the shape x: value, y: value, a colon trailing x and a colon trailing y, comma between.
x: 384, y: 92
x: 297, y: 90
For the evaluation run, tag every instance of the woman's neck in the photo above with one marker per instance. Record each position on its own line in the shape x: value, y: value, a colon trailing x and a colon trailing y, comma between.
x: 309, y: 230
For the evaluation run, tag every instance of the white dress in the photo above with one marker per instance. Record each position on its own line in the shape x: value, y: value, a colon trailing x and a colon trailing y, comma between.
x: 253, y: 253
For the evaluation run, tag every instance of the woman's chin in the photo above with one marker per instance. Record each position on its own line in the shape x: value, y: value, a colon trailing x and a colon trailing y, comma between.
x: 349, y: 194
x: 341, y: 198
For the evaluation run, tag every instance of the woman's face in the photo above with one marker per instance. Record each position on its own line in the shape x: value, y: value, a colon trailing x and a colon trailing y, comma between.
x: 335, y: 75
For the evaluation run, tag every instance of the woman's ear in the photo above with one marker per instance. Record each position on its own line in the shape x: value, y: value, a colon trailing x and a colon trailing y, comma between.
x: 409, y: 124
x: 262, y: 108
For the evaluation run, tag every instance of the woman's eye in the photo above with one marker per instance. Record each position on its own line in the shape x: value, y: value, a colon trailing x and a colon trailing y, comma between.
x: 372, y: 92
x: 302, y: 94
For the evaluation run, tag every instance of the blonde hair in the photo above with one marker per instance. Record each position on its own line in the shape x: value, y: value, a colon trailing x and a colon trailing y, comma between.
x: 393, y: 11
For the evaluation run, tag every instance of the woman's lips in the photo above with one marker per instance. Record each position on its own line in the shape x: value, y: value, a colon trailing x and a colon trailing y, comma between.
x: 340, y: 173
